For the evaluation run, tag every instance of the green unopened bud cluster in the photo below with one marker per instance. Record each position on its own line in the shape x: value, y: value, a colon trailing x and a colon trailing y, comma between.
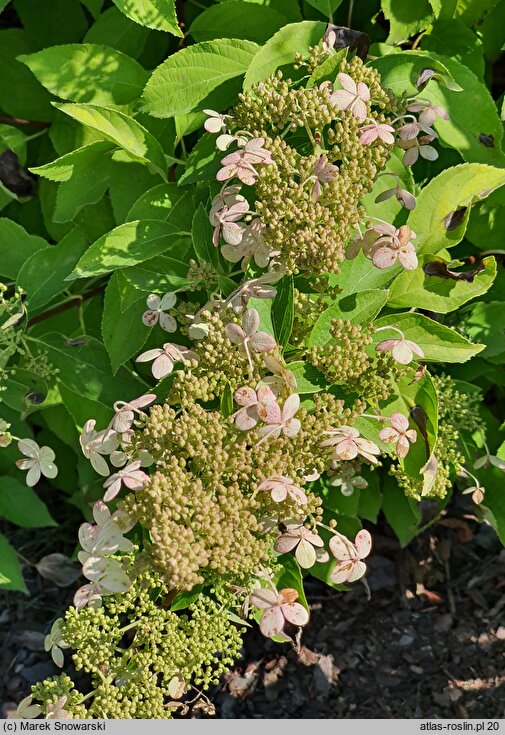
x: 134, y: 648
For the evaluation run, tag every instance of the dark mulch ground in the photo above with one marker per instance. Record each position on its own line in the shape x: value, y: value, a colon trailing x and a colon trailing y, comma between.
x: 429, y: 642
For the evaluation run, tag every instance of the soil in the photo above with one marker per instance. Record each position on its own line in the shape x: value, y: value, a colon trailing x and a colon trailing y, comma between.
x: 424, y: 638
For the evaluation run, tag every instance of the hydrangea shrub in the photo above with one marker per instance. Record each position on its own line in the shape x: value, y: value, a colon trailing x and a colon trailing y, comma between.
x: 237, y: 310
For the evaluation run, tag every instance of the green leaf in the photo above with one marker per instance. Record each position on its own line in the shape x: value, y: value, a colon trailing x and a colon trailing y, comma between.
x: 360, y: 274
x: 128, y: 181
x: 88, y: 73
x: 442, y: 295
x: 402, y: 513
x: 201, y: 235
x: 420, y: 393
x: 308, y: 378
x: 203, y: 163
x: 470, y: 11
x: 226, y: 402
x: 123, y: 332
x: 406, y: 18
x: 326, y: 7
x: 328, y: 70
x: 370, y: 499
x: 94, y: 6
x: 237, y: 20
x: 76, y: 162
x: 114, y: 29
x: 157, y: 14
x: 283, y: 311
x: 291, y: 577
x: 127, y: 245
x: 84, y: 174
x: 486, y: 323
x: 166, y: 202
x: 11, y: 577
x: 494, y: 498
x: 20, y: 93
x: 279, y: 51
x: 21, y: 246
x: 120, y: 129
x: 85, y: 370
x: 400, y: 72
x: 160, y: 274
x: 453, y: 189
x: 184, y: 599
x: 42, y: 276
x: 391, y: 208
x: 450, y: 37
x: 20, y: 505
x: 471, y: 114
x: 438, y: 342
x: 358, y: 308
x: 444, y: 8
x: 205, y: 75
x: 61, y: 21
x: 17, y: 387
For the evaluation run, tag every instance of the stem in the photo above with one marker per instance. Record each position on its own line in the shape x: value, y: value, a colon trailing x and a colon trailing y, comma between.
x: 21, y: 121
x: 76, y: 301
x: 349, y: 13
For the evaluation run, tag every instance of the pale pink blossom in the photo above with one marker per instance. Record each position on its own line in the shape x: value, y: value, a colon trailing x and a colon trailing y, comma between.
x: 258, y: 288
x: 411, y: 130
x: 323, y: 173
x: 164, y: 358
x: 156, y: 312
x: 240, y: 164
x: 307, y: 544
x: 130, y: 476
x: 94, y: 444
x: 347, y: 444
x: 278, y: 607
x: 227, y: 197
x: 40, y: 460
x: 403, y: 350
x: 418, y: 147
x: 225, y: 222
x: 328, y: 41
x: 125, y: 412
x: 215, y: 122
x: 364, y: 243
x: 253, y: 404
x: 54, y: 642
x: 28, y: 711
x: 248, y: 336
x: 281, y: 379
x: 405, y: 198
x: 88, y: 596
x: 346, y: 478
x: 281, y: 487
x: 224, y: 141
x: 377, y: 131
x: 350, y: 566
x: 252, y: 244
x: 55, y: 711
x: 394, y: 244
x: 351, y: 97
x: 281, y: 421
x: 428, y: 112
x: 399, y: 433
